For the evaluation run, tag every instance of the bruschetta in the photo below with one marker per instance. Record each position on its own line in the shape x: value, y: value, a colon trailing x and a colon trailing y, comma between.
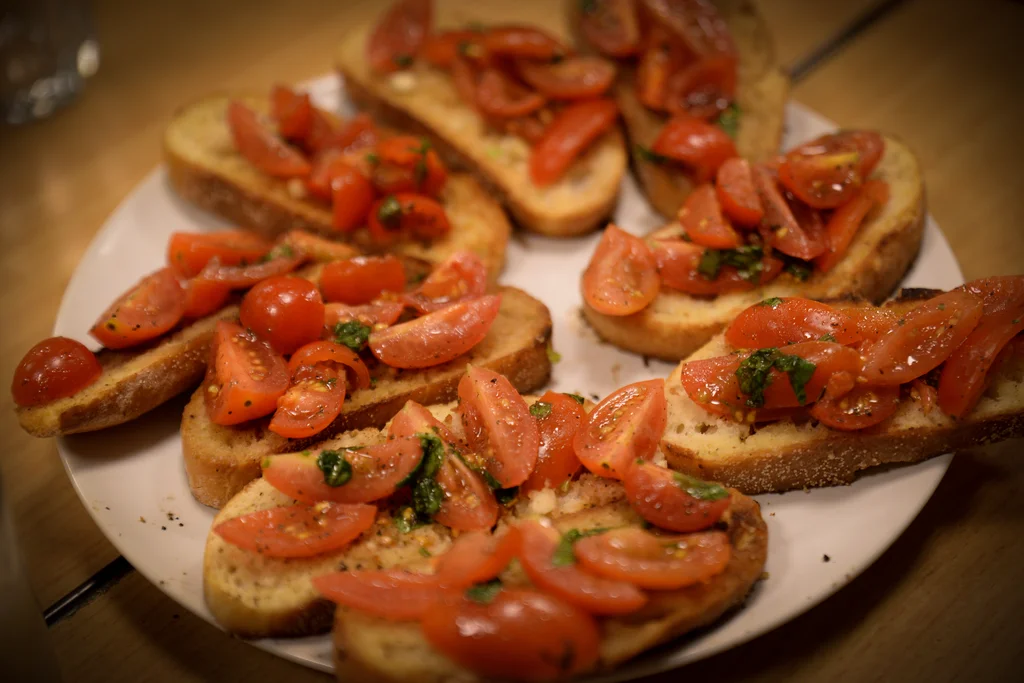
x: 404, y: 566
x: 698, y: 81
x: 278, y: 163
x: 840, y: 216
x: 510, y: 103
x: 798, y: 393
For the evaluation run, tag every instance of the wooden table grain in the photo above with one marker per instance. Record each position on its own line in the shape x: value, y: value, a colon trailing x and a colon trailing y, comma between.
x: 942, y: 604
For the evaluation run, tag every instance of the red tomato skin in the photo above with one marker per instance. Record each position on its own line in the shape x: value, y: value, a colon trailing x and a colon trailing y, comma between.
x: 862, y: 407
x: 846, y: 220
x: 351, y: 198
x: 203, y: 297
x: 503, y: 437
x: 678, y: 263
x: 701, y: 146
x: 780, y: 227
x: 573, y: 78
x: 287, y: 311
x: 261, y: 147
x: 556, y: 460
x: 570, y: 133
x: 475, y: 557
x: 418, y: 217
x: 408, y: 164
x: 535, y: 635
x: 330, y: 352
x: 612, y: 27
x: 392, y: 594
x: 702, y: 219
x: 698, y: 25
x: 522, y: 41
x: 399, y: 34
x: 635, y: 434
x: 235, y: 398
x: 826, y: 172
x: 266, y: 531
x: 500, y: 96
x: 189, y: 252
x: 319, y: 249
x: 441, y: 49
x: 362, y: 279
x: 965, y: 374
x: 310, y: 404
x: 122, y: 326
x: 469, y: 504
x: 703, y: 89
x: 657, y: 494
x: 54, y: 368
x: 737, y: 193
x: 999, y: 293
x: 437, y: 337
x: 292, y: 111
x: 461, y: 276
x: 622, y: 276
x: 790, y: 320
x: 376, y: 314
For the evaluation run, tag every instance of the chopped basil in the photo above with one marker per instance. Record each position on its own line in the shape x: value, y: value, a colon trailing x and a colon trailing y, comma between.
x: 352, y: 334
x: 746, y: 260
x: 754, y: 374
x: 540, y: 409
x: 773, y: 302
x: 484, y: 593
x: 279, y: 251
x: 699, y: 489
x: 424, y: 552
x: 337, y: 470
x: 798, y: 268
x: 649, y: 156
x: 406, y: 519
x: 576, y: 397
x: 427, y: 496
x: 403, y: 61
x: 799, y: 371
x: 373, y: 158
x: 729, y: 120
x: 433, y: 454
x: 553, y: 356
x: 588, y: 6
x: 827, y: 337
x: 390, y: 211
x: 710, y: 263
x: 506, y: 496
x: 486, y: 476
x: 564, y: 555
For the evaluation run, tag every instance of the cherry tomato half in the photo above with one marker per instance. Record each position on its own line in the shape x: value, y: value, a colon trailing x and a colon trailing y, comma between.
x: 702, y: 219
x: 781, y: 321
x: 393, y: 594
x: 500, y: 96
x: 377, y: 314
x: 964, y: 374
x: 827, y: 172
x: 358, y: 376
x: 697, y: 23
x: 54, y: 368
x: 203, y: 297
x: 860, y: 408
x: 362, y: 279
x: 611, y: 26
x: 261, y: 147
x: 311, y: 403
x: 522, y: 41
x: 406, y: 163
x: 672, y: 500
x: 413, y: 215
x: 627, y: 425
x: 703, y: 89
x: 399, y: 34
x: 703, y: 147
x: 572, y: 78
x: 286, y: 311
x: 571, y: 131
x: 153, y: 306
x: 189, y: 252
x: 245, y: 378
x: 780, y: 226
x: 558, y: 420
x: 292, y: 111
x: 459, y: 277
x: 298, y: 530
x: 475, y: 557
x: 622, y: 276
x: 737, y: 193
x: 679, y: 265
x: 318, y: 248
x: 845, y: 221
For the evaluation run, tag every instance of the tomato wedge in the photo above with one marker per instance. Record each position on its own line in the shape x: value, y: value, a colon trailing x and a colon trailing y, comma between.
x: 922, y: 339
x: 398, y: 36
x: 442, y: 49
x: 203, y: 297
x: 611, y: 26
x: 311, y: 403
x: 570, y: 132
x: 625, y: 426
x: 679, y: 265
x: 697, y: 23
x: 280, y: 261
x: 393, y: 594
x: 672, y: 500
x: 662, y: 56
x: 328, y: 352
x: 286, y: 311
x: 475, y: 557
x: 414, y: 215
x: 702, y: 219
x: 261, y: 147
x: 318, y: 248
x: 153, y: 306
x: 54, y: 368
x: 292, y: 111
x: 502, y: 436
x: 376, y: 314
x: 437, y: 337
x: 703, y: 89
x: 522, y: 41
x: 622, y: 276
x: 701, y: 146
x: 460, y: 276
x: 860, y: 408
x: 827, y: 172
x: 845, y: 221
x: 780, y: 226
x: 655, y: 562
x: 352, y: 138
x: 524, y: 631
x: 245, y: 378
x: 298, y: 530
x: 351, y: 195
x: 189, y: 252
x: 500, y: 96
x: 469, y: 504
x: 788, y: 320
x: 558, y: 418
x: 737, y: 193
x: 362, y: 475
x: 567, y: 581
x: 406, y: 163
x: 362, y: 279
x: 572, y: 78
x: 966, y: 371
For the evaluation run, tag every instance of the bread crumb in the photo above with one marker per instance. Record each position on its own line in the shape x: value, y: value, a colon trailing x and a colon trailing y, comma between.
x: 296, y: 189
x: 402, y: 81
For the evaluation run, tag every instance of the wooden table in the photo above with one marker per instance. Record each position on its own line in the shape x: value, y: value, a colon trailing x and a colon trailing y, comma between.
x: 944, y: 603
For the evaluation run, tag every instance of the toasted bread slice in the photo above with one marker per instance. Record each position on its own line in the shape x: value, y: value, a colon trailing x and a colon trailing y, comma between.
x: 133, y: 382
x: 424, y: 100
x: 204, y: 168
x: 761, y: 91
x: 785, y: 455
x: 675, y: 325
x: 221, y: 460
x: 372, y: 649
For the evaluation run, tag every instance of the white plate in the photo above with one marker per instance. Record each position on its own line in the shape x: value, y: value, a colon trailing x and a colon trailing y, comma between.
x: 132, y: 481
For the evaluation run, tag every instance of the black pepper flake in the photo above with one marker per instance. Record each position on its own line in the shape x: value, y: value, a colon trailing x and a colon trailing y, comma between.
x: 163, y: 528
x: 826, y: 558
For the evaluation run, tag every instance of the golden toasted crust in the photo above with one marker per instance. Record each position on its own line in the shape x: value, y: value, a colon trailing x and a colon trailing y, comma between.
x: 424, y: 100
x: 204, y: 168
x: 220, y: 460
x: 676, y: 324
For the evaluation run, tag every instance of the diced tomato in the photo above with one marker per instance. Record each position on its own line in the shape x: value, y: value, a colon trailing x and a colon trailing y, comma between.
x: 393, y: 594
x: 287, y: 311
x: 661, y: 58
x: 203, y: 297
x: 469, y: 504
x: 189, y: 252
x: 781, y: 321
x: 570, y: 132
x: 280, y: 261
x: 374, y: 314
x: 524, y: 631
x: 702, y: 219
x: 352, y: 138
x: 701, y: 146
x: 703, y: 89
x: 398, y: 36
x: 628, y: 424
x: 460, y: 276
x: 408, y: 164
x: 362, y: 279
x: 311, y: 403
x: 846, y: 220
x: 292, y: 111
x: 441, y: 49
x: 860, y: 408
x: 328, y: 352
x: 319, y: 249
x: 672, y: 500
x: 350, y: 192
x: 622, y: 276
x: 437, y: 337
x: 500, y: 96
x: 376, y: 472
x: 261, y: 147
x: 54, y: 368
x: 572, y: 78
x: 966, y: 371
x: 780, y: 226
x: 655, y: 562
x: 697, y: 23
x: 922, y: 339
x: 827, y: 172
x: 611, y: 26
x: 414, y: 215
x: 476, y: 557
x: 245, y: 378
x: 679, y: 265
x: 502, y: 435
x: 737, y: 193
x: 298, y: 530
x: 556, y: 460
x: 522, y: 41
x: 151, y: 307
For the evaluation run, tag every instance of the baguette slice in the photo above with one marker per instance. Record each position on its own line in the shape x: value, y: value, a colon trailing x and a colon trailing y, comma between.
x: 675, y: 325
x: 204, y: 168
x: 372, y: 649
x: 133, y: 382
x: 424, y: 100
x: 761, y: 91
x: 789, y: 455
x: 221, y: 460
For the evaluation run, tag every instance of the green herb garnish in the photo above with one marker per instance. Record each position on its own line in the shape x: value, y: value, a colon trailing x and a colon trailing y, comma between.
x: 427, y: 496
x: 564, y: 555
x: 700, y: 489
x: 506, y: 496
x: 746, y: 260
x: 403, y: 61
x: 352, y: 334
x: 406, y: 519
x: 729, y: 120
x: 373, y: 158
x: 754, y: 374
x: 773, y: 302
x: 390, y: 212
x: 827, y: 337
x: 576, y: 397
x: 484, y: 593
x: 553, y: 356
x: 337, y: 470
x: 280, y: 251
x: 540, y: 409
x: 424, y: 552
x: 646, y: 154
